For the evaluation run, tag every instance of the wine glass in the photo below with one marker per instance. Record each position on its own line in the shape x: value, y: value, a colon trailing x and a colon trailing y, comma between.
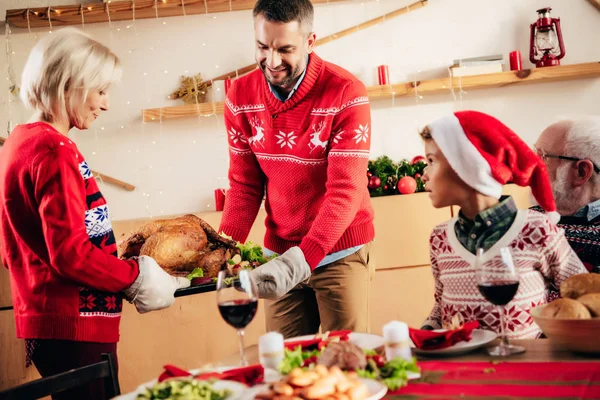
x: 237, y: 302
x: 498, y: 282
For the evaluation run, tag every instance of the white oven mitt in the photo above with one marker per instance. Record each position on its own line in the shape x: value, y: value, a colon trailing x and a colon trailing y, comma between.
x: 153, y: 289
x: 280, y: 275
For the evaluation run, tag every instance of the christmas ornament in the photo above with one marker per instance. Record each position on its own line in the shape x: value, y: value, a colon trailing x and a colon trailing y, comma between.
x: 192, y: 90
x: 374, y: 182
x: 417, y: 159
x: 407, y: 185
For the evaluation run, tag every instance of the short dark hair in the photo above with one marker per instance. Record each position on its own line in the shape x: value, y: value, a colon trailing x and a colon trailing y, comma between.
x: 285, y: 11
x: 426, y: 133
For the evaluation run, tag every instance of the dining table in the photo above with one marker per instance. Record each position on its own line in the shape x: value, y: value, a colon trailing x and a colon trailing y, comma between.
x: 543, y: 371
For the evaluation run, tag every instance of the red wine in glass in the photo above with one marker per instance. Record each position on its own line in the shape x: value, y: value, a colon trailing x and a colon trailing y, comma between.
x: 498, y: 282
x: 238, y: 302
x: 499, y: 293
x: 238, y: 313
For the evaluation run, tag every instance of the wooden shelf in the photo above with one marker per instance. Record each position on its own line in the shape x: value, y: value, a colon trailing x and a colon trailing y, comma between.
x: 432, y: 86
x: 105, y: 178
x: 123, y: 10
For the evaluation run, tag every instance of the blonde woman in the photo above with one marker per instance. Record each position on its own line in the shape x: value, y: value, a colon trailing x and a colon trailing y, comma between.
x: 55, y: 233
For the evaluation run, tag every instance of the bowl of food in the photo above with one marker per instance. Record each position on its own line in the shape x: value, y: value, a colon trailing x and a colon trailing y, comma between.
x: 573, y: 322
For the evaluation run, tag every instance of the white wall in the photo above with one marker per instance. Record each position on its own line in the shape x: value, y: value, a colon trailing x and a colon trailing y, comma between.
x: 176, y: 165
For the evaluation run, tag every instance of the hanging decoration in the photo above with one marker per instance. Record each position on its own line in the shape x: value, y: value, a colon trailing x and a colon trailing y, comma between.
x: 192, y: 90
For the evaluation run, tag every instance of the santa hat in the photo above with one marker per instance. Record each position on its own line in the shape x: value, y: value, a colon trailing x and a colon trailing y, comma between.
x: 486, y: 154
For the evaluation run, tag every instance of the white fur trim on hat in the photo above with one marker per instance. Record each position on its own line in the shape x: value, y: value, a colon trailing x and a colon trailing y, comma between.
x: 553, y: 216
x: 463, y: 156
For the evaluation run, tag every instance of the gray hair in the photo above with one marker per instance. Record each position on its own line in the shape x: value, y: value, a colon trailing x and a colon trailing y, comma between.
x: 582, y: 140
x: 62, y: 68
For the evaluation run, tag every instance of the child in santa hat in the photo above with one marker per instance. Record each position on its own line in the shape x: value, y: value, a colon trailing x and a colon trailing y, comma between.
x: 471, y: 155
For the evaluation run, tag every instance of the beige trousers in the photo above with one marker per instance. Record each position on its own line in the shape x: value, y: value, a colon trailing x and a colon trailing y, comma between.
x: 336, y: 297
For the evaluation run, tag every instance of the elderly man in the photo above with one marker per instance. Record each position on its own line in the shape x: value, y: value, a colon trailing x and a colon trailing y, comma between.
x: 571, y: 150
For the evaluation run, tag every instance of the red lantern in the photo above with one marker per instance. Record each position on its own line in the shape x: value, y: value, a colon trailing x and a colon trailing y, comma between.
x: 546, y: 41
x: 407, y: 185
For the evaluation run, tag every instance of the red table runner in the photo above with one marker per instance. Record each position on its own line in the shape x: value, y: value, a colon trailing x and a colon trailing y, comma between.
x: 505, y: 380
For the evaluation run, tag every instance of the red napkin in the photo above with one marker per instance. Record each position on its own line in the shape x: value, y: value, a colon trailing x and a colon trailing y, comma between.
x: 430, y: 340
x: 317, y: 343
x: 250, y: 375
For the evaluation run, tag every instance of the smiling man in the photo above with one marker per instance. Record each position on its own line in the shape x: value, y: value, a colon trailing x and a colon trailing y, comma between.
x: 299, y: 132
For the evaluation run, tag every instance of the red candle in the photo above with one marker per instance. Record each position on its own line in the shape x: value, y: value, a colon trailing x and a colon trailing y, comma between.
x: 515, y: 60
x: 227, y: 85
x: 383, y: 74
x: 220, y: 199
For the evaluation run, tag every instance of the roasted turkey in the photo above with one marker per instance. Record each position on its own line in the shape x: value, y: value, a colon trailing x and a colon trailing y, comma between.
x: 179, y: 245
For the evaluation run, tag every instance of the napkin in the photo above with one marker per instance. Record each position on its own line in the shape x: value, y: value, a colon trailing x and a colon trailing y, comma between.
x: 430, y: 340
x: 250, y: 375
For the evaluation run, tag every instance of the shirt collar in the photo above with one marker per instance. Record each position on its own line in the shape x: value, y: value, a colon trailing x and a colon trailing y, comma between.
x: 289, y: 96
x: 506, y: 207
x: 591, y: 210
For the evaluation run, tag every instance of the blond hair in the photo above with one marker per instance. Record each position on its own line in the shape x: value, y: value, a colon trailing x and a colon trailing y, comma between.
x: 62, y: 68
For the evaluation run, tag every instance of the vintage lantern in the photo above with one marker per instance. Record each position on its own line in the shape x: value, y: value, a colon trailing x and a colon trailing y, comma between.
x: 546, y: 43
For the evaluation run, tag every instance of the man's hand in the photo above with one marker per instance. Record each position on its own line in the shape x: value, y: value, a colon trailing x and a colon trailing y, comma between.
x: 282, y: 274
x: 153, y: 289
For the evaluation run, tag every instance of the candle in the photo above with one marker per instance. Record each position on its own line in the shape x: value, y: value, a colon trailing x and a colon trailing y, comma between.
x: 270, y: 349
x: 383, y: 74
x: 220, y: 199
x: 515, y: 60
x: 395, y: 335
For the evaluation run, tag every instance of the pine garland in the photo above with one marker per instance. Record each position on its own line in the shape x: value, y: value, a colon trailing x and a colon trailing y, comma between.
x: 384, y: 174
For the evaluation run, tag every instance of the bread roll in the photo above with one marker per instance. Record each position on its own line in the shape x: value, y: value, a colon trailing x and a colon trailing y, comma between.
x: 566, y: 309
x: 592, y: 302
x: 578, y: 285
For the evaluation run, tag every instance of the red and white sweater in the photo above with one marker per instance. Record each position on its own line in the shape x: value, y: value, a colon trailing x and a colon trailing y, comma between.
x: 310, y: 153
x: 541, y: 253
x: 57, y: 242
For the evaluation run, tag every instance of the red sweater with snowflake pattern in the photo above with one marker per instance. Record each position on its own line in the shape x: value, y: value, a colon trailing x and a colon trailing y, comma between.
x: 309, y: 154
x: 57, y: 242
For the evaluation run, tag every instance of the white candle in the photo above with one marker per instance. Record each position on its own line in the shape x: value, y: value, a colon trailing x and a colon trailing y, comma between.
x: 397, y: 344
x: 270, y: 349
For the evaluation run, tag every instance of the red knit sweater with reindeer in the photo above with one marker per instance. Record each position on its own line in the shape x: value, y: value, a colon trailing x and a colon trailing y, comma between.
x: 309, y: 155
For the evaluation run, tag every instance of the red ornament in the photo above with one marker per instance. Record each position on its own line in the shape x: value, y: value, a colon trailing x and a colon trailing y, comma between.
x: 385, y: 187
x: 369, y: 174
x: 417, y: 175
x: 418, y: 159
x: 374, y: 182
x: 407, y: 185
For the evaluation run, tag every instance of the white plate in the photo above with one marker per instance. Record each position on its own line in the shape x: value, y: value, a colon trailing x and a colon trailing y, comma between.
x: 479, y: 338
x: 376, y: 390
x: 237, y: 389
x: 365, y: 341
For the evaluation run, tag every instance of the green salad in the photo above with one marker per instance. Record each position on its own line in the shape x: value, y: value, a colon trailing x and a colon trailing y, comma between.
x: 188, y: 389
x: 393, y: 374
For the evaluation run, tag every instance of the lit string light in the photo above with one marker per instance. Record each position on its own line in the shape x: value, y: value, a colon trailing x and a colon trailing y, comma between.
x: 82, y: 17
x: 10, y: 76
x: 49, y: 17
